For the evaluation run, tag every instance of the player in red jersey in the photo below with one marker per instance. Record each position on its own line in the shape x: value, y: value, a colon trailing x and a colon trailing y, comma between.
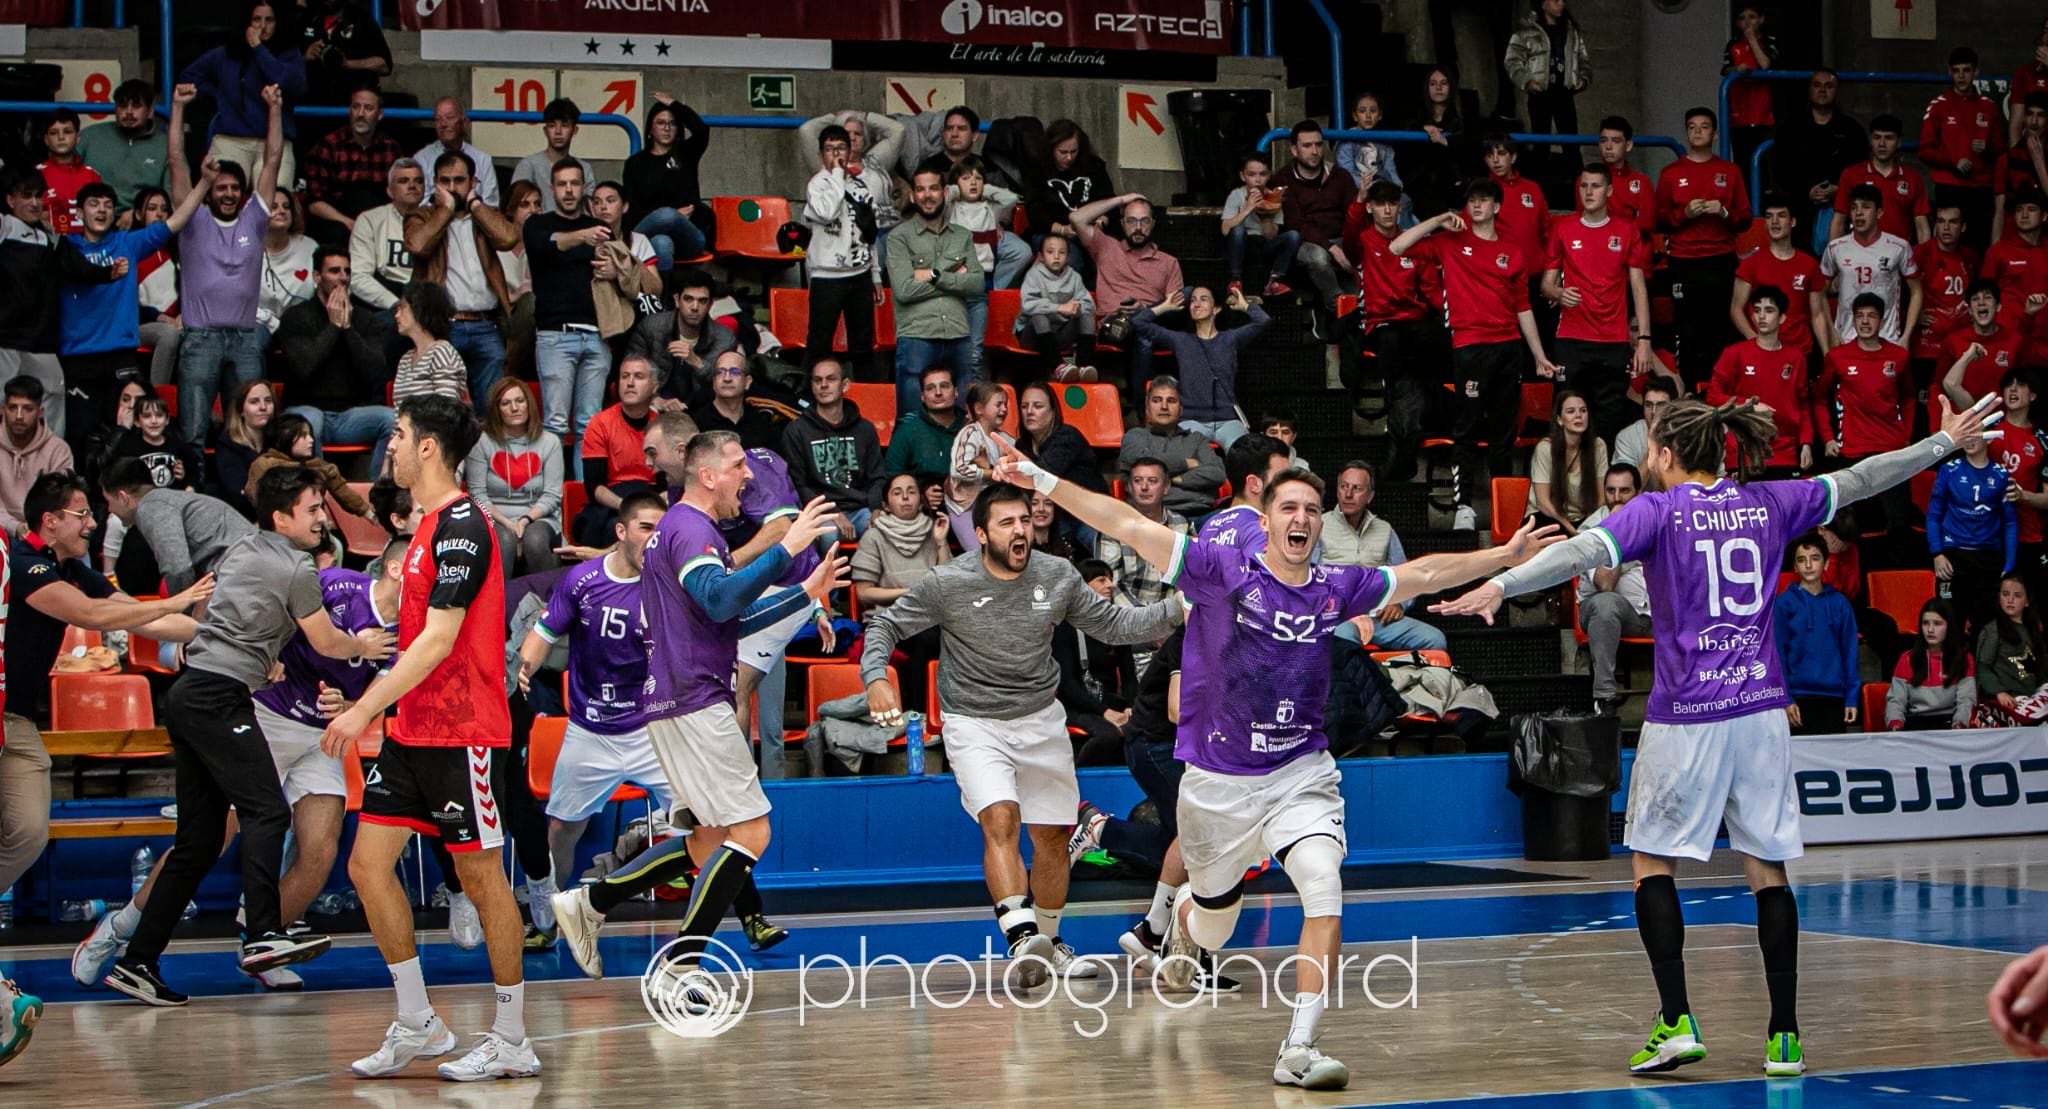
x: 1486, y: 287
x: 2027, y: 80
x: 1793, y: 272
x: 2024, y: 453
x: 1596, y: 273
x: 1978, y: 356
x: 2019, y: 263
x: 1766, y: 370
x: 1860, y: 402
x: 1904, y: 211
x: 2025, y: 167
x: 433, y: 776
x: 1524, y: 213
x: 1960, y: 141
x: 1703, y: 204
x: 1402, y: 301
x: 1634, y: 196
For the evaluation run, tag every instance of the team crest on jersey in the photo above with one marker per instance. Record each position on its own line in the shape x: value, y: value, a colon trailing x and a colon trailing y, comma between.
x: 1472, y: 388
x: 1785, y: 372
x: 1983, y: 120
x: 1902, y: 187
x: 1891, y: 369
x: 1614, y: 243
x: 1528, y: 200
x: 1407, y: 263
x: 1501, y: 260
x: 1720, y: 180
x: 1038, y: 593
x: 1635, y: 186
x: 1578, y: 245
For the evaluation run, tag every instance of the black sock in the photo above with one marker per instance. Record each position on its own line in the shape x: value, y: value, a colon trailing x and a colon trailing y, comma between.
x: 727, y: 871
x: 657, y: 866
x: 1662, y: 924
x: 748, y: 901
x: 1777, y: 933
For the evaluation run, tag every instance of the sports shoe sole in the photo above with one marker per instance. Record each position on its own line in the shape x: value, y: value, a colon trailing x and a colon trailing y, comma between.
x: 569, y: 923
x: 1773, y: 1070
x: 299, y: 951
x: 1329, y: 1075
x: 1033, y: 962
x: 429, y: 1052
x: 78, y: 953
x: 770, y: 939
x: 1676, y: 1052
x: 25, y: 1020
x: 1142, y: 958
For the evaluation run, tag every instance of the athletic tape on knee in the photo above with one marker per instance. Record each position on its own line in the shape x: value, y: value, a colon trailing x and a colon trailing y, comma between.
x: 1316, y: 866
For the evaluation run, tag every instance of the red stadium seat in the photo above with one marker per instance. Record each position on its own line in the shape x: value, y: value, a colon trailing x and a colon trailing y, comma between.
x: 1004, y: 306
x: 877, y: 403
x: 1536, y: 401
x: 1899, y: 595
x: 574, y: 497
x: 1510, y: 498
x: 99, y: 702
x: 1873, y: 705
x: 747, y: 227
x: 1095, y: 411
x: 364, y: 538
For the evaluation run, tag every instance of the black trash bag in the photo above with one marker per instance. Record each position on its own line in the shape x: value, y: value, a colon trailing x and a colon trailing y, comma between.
x: 1362, y: 699
x: 1565, y: 754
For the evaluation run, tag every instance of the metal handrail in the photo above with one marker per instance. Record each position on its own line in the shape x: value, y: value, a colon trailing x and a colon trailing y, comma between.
x: 1860, y: 77
x: 1756, y: 168
x: 1339, y: 111
x: 1665, y: 141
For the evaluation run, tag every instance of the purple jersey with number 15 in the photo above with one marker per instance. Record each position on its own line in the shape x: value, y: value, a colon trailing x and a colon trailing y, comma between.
x: 1255, y: 667
x: 1711, y: 555
x: 601, y: 615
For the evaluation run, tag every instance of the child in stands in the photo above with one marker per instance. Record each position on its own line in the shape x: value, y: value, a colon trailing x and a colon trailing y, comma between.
x: 1816, y: 628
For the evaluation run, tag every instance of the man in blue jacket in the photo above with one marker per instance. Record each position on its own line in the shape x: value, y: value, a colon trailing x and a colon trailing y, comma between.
x: 1816, y: 633
x: 98, y: 323
x: 1973, y: 531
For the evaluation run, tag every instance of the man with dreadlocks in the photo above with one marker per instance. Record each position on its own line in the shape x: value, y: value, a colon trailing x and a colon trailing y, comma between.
x: 1716, y: 743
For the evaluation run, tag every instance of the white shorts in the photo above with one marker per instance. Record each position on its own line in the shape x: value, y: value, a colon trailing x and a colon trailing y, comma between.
x: 710, y: 768
x: 302, y: 768
x: 1230, y: 823
x: 1028, y: 760
x: 1688, y: 778
x: 760, y: 650
x: 592, y: 765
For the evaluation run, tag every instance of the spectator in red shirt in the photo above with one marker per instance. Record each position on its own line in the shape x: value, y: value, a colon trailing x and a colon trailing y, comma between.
x: 1401, y: 300
x: 1703, y: 204
x: 2024, y: 168
x: 1750, y: 118
x: 64, y: 172
x: 1904, y: 212
x: 1774, y: 375
x: 1635, y: 193
x: 1486, y: 287
x: 1976, y: 357
x: 1312, y: 205
x: 1595, y: 272
x: 1524, y: 212
x: 1860, y: 403
x: 2019, y: 263
x: 2029, y: 79
x: 1960, y: 141
x: 1791, y: 271
x: 614, y: 453
x: 1946, y: 270
x: 2023, y: 451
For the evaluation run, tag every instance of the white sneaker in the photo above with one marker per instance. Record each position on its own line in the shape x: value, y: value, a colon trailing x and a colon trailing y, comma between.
x: 1304, y: 1066
x: 1033, y: 957
x: 1179, y: 957
x: 1087, y: 835
x: 580, y: 924
x: 538, y: 903
x: 402, y: 1045
x: 465, y: 928
x: 494, y: 1056
x: 1464, y: 519
x: 1141, y: 945
x: 96, y: 952
x: 1067, y: 964
x: 698, y: 990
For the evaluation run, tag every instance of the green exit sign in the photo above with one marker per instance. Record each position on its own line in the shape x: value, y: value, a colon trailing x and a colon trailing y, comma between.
x: 771, y: 92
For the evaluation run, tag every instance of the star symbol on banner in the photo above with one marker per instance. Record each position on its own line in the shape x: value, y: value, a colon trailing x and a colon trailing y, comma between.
x: 661, y: 48
x: 626, y: 47
x: 590, y: 47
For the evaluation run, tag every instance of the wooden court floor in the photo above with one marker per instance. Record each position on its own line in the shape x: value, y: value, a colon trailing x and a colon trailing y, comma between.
x: 1898, y: 949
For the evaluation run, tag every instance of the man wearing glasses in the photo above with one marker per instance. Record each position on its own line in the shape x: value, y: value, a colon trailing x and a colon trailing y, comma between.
x: 729, y: 410
x: 1633, y: 441
x: 1130, y: 273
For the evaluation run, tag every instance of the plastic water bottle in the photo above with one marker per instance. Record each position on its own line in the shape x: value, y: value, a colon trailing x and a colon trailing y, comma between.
x: 139, y: 866
x: 913, y: 742
x: 86, y: 911
x: 7, y: 909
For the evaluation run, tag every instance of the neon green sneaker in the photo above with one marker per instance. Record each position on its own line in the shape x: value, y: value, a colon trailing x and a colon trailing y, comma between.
x: 1783, y: 1058
x: 1670, y: 1047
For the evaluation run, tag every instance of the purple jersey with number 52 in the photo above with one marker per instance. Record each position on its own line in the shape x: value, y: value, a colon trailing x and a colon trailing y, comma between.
x: 1255, y: 668
x: 1711, y: 554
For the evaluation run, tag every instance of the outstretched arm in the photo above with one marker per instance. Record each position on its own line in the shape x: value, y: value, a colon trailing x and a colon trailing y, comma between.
x: 1585, y: 551
x: 1438, y: 572
x: 1880, y: 472
x: 1114, y: 519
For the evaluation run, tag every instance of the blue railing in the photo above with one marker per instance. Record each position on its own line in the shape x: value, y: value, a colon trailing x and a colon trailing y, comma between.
x: 1851, y: 77
x: 1756, y: 168
x: 632, y: 130
x: 1665, y: 141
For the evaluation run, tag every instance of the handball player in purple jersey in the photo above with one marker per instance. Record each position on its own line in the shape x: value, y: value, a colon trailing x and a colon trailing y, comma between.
x: 1260, y: 780
x: 1716, y: 744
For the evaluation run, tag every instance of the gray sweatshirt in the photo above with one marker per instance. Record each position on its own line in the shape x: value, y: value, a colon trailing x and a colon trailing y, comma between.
x: 491, y: 465
x: 187, y: 532
x: 1045, y: 291
x: 995, y: 646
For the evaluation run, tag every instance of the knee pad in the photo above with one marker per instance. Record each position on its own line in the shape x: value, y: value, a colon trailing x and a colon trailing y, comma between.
x: 1316, y: 866
x: 1211, y: 920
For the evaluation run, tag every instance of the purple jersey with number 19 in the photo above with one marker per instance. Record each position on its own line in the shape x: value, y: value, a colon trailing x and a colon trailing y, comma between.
x: 1255, y: 667
x: 1711, y: 555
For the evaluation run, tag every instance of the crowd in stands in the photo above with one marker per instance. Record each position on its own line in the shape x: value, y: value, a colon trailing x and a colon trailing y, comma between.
x: 210, y: 303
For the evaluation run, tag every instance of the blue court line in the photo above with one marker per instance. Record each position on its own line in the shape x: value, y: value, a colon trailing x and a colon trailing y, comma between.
x: 2008, y: 1085
x: 1995, y: 918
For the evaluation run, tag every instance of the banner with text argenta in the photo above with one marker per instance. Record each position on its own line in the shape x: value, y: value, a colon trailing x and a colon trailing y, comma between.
x: 1185, y: 26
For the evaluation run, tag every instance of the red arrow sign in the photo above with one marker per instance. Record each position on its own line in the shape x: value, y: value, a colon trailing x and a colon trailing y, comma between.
x: 620, y: 101
x: 1138, y: 106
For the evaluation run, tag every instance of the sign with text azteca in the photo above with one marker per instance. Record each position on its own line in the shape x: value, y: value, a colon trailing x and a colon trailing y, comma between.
x: 1186, y: 26
x: 1921, y: 785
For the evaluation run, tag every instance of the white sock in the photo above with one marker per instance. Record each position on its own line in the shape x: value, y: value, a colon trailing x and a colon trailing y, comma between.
x: 414, y: 1010
x: 1162, y: 905
x: 1012, y: 912
x: 510, y: 1024
x: 1048, y: 919
x: 1308, y: 1012
x: 124, y: 921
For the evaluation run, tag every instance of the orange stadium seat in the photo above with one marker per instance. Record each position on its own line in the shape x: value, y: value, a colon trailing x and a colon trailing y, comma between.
x: 1095, y: 412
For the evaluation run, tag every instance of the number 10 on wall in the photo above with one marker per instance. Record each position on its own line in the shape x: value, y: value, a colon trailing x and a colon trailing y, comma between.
x: 510, y: 90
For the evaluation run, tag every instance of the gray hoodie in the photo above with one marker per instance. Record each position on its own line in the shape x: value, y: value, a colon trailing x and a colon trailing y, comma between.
x: 1044, y: 292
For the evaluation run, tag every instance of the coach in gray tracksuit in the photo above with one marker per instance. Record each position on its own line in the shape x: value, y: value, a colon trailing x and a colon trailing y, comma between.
x: 1005, y: 732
